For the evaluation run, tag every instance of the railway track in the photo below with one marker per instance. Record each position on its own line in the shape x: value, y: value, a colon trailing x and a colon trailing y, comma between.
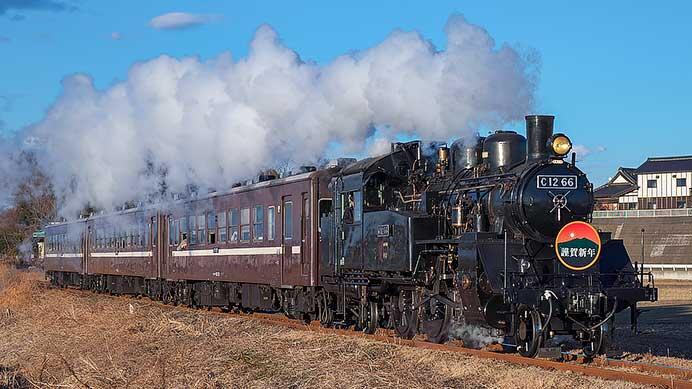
x: 605, y: 368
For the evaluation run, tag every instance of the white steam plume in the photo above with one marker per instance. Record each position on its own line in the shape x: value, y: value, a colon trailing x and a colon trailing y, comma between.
x: 215, y: 122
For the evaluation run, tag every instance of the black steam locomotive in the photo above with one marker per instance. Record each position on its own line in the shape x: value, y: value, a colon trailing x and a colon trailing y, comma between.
x: 491, y: 233
x: 466, y: 235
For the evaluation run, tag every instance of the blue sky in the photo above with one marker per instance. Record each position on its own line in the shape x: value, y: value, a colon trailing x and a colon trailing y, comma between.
x: 616, y: 74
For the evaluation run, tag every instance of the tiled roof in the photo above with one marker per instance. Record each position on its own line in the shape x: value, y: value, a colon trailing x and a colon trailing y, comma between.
x: 630, y: 173
x: 613, y: 190
x: 666, y: 165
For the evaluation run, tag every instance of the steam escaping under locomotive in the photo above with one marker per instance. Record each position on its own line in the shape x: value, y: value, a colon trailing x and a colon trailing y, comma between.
x: 490, y: 232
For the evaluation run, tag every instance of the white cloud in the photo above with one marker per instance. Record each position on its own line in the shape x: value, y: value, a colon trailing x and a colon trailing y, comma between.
x: 116, y: 36
x: 181, y: 20
x: 582, y: 151
x: 212, y: 123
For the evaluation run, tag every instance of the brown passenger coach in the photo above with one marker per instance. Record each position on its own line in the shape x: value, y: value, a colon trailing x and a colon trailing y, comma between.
x: 256, y: 245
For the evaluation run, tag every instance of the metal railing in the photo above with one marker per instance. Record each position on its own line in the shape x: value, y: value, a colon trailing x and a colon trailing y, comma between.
x: 668, y: 266
x: 642, y: 213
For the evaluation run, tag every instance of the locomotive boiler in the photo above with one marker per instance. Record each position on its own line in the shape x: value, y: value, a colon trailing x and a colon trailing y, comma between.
x: 490, y: 233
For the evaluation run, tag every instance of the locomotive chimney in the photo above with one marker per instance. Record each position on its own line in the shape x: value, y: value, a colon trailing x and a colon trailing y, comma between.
x: 539, y: 129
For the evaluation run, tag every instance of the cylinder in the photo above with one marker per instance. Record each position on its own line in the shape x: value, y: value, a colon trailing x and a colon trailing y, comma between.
x: 539, y: 129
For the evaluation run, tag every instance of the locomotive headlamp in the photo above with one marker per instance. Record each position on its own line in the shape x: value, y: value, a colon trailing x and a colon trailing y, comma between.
x: 560, y: 144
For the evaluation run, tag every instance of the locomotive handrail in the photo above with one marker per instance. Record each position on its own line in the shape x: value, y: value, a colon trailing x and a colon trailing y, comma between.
x: 481, y: 182
x: 589, y: 276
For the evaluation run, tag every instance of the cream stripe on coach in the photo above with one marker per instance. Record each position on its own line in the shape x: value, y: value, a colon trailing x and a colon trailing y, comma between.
x: 238, y: 251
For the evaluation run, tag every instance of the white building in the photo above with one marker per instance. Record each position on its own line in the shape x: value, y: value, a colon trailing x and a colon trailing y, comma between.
x: 659, y: 183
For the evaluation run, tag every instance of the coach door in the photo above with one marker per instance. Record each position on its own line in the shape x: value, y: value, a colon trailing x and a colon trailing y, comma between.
x: 287, y: 241
x: 153, y: 242
x: 86, y: 239
x: 305, y: 235
x: 162, y: 244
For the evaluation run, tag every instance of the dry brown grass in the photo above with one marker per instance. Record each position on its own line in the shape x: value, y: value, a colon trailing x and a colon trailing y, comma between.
x: 17, y: 288
x: 63, y: 338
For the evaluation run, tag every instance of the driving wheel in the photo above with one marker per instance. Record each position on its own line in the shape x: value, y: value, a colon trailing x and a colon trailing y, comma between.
x: 405, y: 315
x: 527, y: 332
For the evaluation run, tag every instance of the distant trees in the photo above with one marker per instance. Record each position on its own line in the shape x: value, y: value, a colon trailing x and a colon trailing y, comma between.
x: 32, y: 206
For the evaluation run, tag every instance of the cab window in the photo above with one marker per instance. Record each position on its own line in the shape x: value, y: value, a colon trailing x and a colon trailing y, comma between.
x: 351, y: 207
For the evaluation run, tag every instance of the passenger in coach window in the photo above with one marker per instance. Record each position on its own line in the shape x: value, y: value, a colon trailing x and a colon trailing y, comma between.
x: 183, y: 243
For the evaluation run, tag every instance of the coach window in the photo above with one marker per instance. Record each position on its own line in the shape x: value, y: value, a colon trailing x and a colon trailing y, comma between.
x: 271, y: 223
x: 171, y: 232
x: 245, y: 224
x: 211, y: 228
x: 221, y: 221
x: 144, y: 231
x: 288, y: 220
x: 183, y: 229
x: 176, y: 231
x: 201, y: 229
x: 234, y: 222
x: 258, y: 219
x: 193, y: 229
